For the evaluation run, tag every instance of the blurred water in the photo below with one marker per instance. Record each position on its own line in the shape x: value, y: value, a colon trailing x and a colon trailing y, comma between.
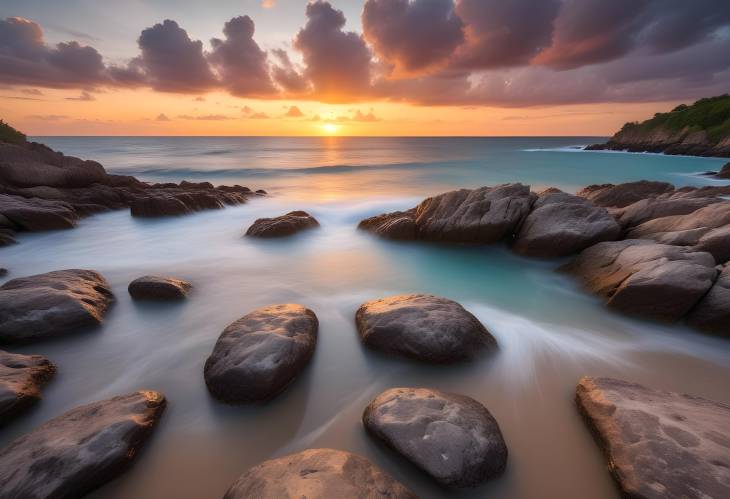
x: 550, y: 333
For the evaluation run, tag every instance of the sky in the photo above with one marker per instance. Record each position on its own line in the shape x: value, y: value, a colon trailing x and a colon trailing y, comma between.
x: 355, y: 67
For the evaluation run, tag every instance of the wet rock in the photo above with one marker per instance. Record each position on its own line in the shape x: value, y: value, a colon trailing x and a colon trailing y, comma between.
x: 262, y: 192
x: 3, y: 272
x: 423, y: 327
x: 395, y: 225
x: 285, y: 225
x: 724, y: 171
x: 52, y: 304
x: 196, y: 185
x: 658, y: 444
x: 712, y: 313
x: 36, y: 214
x: 160, y: 204
x: 561, y: 224
x: 318, y: 474
x: 257, y: 356
x: 21, y: 378
x: 451, y: 437
x: 644, y: 278
x: 81, y: 450
x: 152, y: 287
x: 622, y: 195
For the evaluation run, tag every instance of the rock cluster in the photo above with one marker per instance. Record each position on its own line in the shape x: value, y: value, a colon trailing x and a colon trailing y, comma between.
x: 285, y: 225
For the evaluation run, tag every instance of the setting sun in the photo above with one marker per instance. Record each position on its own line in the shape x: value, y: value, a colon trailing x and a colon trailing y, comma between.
x: 330, y: 128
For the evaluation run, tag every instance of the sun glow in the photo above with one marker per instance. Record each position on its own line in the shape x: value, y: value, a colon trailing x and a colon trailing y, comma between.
x: 330, y: 128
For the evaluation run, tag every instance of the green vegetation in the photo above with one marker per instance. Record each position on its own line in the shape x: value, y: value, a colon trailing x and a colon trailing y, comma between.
x: 711, y: 115
x: 10, y: 134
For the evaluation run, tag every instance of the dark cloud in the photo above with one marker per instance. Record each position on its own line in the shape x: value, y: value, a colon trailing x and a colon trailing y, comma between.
x: 678, y: 24
x: 286, y: 74
x: 31, y: 91
x: 84, y: 97
x: 162, y: 117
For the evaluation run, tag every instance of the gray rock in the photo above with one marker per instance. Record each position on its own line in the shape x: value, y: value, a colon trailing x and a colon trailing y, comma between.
x: 257, y: 356
x: 395, y: 225
x: 658, y: 444
x: 561, y: 224
x: 151, y: 287
x: 712, y: 313
x: 34, y: 214
x: 673, y: 229
x: 451, y: 437
x: 716, y: 242
x: 21, y: 378
x: 659, y: 207
x: 80, y: 450
x: 52, y: 304
x: 285, y: 225
x: 422, y: 327
x: 624, y: 194
x: 317, y: 474
x: 644, y: 278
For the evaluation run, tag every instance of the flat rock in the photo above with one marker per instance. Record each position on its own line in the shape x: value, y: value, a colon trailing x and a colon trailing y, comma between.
x: 318, y: 474
x: 712, y: 313
x: 665, y: 229
x: 34, y: 214
x: 80, y: 450
x: 659, y: 207
x: 52, y: 304
x: 164, y: 204
x: 644, y: 278
x: 285, y: 225
x: 658, y: 444
x: 561, y: 224
x: 257, y: 356
x: 21, y: 378
x: 152, y: 287
x: 451, y: 437
x: 621, y: 195
x: 423, y: 327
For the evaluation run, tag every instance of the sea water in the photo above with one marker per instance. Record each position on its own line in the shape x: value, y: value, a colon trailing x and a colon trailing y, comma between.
x: 549, y: 332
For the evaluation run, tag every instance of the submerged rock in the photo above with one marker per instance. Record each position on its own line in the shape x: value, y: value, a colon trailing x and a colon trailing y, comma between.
x: 285, y: 225
x: 256, y: 357
x: 80, y: 450
x: 712, y: 313
x: 658, y: 444
x: 151, y: 287
x: 451, y: 437
x: 621, y: 195
x: 21, y: 378
x: 52, y: 304
x: 423, y: 327
x: 318, y: 474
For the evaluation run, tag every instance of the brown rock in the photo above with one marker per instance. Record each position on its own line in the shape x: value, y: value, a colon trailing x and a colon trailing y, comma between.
x: 36, y: 214
x: 21, y: 378
x: 285, y: 225
x: 712, y: 313
x: 624, y: 194
x: 395, y: 225
x: 724, y: 172
x: 151, y: 287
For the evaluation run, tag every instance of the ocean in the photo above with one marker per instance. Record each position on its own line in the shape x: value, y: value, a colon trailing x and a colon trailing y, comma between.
x: 550, y: 332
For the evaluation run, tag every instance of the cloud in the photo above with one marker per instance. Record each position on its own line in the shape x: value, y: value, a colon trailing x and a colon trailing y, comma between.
x: 83, y: 97
x: 31, y: 91
x: 355, y: 116
x: 286, y: 74
x: 72, y: 32
x: 246, y: 110
x: 206, y: 117
x: 294, y: 112
x: 259, y: 116
x: 162, y: 117
x: 48, y: 117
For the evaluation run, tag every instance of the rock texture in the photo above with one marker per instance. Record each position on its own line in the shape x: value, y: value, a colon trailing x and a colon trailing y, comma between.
x: 395, y: 225
x: 21, y: 378
x: 612, y: 195
x: 317, y: 474
x: 52, y: 304
x: 724, y: 171
x: 152, y: 287
x: 712, y: 313
x: 423, y: 327
x: 80, y: 450
x: 285, y: 225
x: 451, y: 437
x: 643, y: 278
x: 658, y: 444
x: 256, y: 357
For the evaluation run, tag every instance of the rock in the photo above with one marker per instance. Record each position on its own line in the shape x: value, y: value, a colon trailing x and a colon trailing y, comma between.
x: 716, y: 242
x: 659, y: 207
x: 658, y: 444
x: 3, y: 272
x: 395, y: 225
x: 176, y: 203
x: 257, y: 356
x: 712, y: 313
x: 37, y: 214
x: 724, y: 171
x: 423, y: 327
x: 52, y: 304
x: 262, y: 192
x: 196, y: 185
x: 152, y: 287
x: 285, y: 225
x: 644, y: 278
x: 317, y: 474
x: 561, y: 224
x: 21, y: 378
x: 451, y: 437
x: 624, y: 194
x: 80, y: 450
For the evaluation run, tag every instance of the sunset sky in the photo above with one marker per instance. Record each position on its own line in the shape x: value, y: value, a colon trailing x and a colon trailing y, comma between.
x: 355, y: 67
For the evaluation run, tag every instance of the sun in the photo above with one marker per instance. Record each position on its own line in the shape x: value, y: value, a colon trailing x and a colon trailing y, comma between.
x: 330, y: 128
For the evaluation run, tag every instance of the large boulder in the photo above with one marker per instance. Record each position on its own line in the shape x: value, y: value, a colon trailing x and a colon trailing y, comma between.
x: 52, y: 304
x: 257, y: 356
x: 561, y: 224
x: 662, y: 206
x: 712, y: 313
x: 21, y: 378
x: 80, y: 450
x: 716, y: 242
x: 658, y: 444
x: 423, y: 327
x: 395, y: 225
x: 644, y: 278
x: 317, y: 474
x: 285, y: 225
x: 152, y: 287
x: 451, y: 437
x: 34, y: 214
x: 621, y: 195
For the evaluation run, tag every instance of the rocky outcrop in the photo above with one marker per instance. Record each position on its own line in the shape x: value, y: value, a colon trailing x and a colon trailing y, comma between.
x: 34, y: 214
x: 394, y: 225
x: 422, y: 327
x: 257, y: 356
x: 644, y: 278
x: 712, y: 313
x: 52, y: 304
x: 21, y: 378
x: 561, y: 224
x: 621, y: 195
x: 80, y: 450
x: 285, y: 225
x: 451, y: 437
x: 152, y: 287
x: 315, y: 474
x: 665, y: 205
x: 658, y: 444
x: 724, y: 172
